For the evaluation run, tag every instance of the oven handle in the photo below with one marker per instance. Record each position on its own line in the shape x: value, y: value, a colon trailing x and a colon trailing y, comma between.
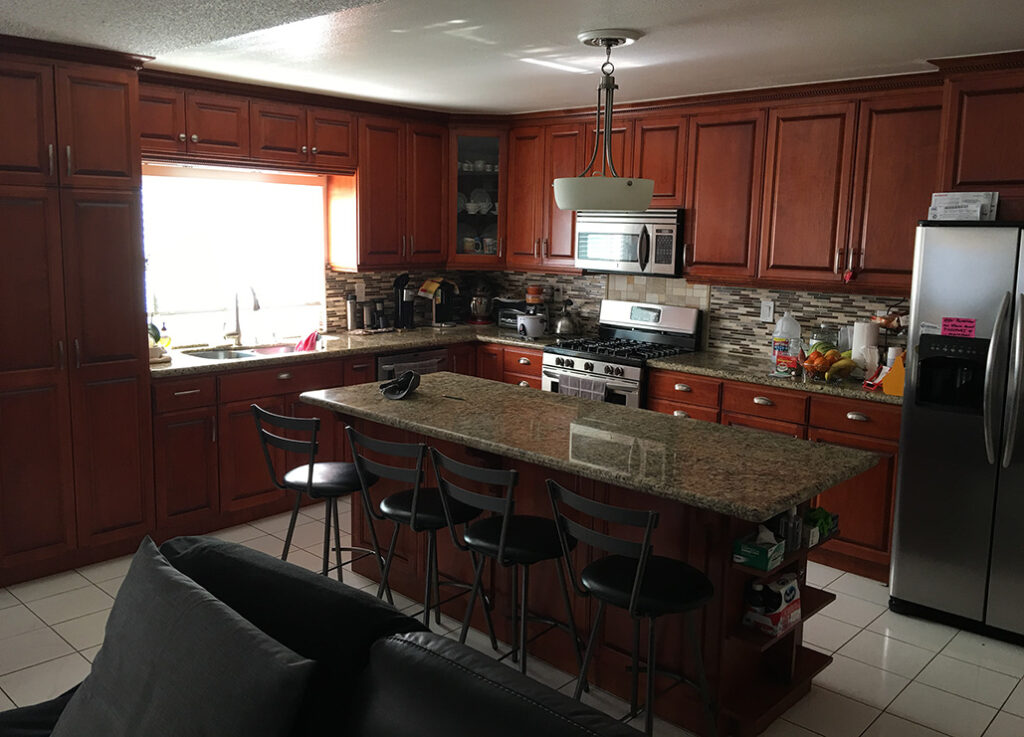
x: 645, y: 248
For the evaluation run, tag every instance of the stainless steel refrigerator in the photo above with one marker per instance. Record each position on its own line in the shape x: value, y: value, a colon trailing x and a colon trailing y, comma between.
x: 958, y: 541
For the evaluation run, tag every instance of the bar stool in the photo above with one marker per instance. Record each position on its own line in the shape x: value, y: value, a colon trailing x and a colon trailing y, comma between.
x: 631, y: 577
x: 515, y: 541
x: 419, y: 507
x: 327, y: 480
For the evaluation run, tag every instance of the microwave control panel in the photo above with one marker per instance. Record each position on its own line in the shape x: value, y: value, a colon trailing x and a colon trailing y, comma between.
x: 664, y: 238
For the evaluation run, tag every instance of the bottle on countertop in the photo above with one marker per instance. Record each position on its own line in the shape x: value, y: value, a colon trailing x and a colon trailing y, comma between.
x: 786, y: 346
x: 351, y: 310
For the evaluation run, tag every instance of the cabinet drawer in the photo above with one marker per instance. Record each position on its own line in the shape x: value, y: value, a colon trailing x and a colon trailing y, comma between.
x: 280, y: 380
x: 759, y: 423
x: 522, y: 361
x: 684, y: 388
x: 523, y: 380
x: 850, y: 415
x: 175, y: 394
x: 762, y: 401
x: 679, y: 409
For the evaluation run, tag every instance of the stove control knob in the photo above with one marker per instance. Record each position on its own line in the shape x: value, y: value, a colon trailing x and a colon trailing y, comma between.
x: 618, y: 371
x: 569, y: 363
x: 607, y: 369
x: 559, y: 361
x: 588, y: 366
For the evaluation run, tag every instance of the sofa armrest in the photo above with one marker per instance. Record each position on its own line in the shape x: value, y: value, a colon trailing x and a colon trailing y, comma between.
x: 37, y: 720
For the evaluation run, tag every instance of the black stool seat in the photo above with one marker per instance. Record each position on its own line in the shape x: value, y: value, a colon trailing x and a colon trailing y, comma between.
x: 330, y: 478
x: 669, y: 586
x: 528, y: 539
x: 429, y: 509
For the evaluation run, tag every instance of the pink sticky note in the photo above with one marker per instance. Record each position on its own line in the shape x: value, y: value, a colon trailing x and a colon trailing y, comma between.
x: 958, y: 327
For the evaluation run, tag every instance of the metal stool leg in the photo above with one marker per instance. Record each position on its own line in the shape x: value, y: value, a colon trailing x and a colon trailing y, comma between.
x: 437, y: 584
x: 702, y: 678
x: 634, y: 681
x: 429, y: 580
x: 524, y: 610
x: 387, y: 564
x: 337, y: 537
x: 478, y: 572
x: 515, y: 614
x: 590, y: 650
x: 380, y: 560
x: 651, y: 670
x: 571, y: 622
x: 327, y: 536
x: 291, y: 525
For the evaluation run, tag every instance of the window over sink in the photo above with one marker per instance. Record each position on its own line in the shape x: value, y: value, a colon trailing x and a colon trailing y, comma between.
x: 213, y: 233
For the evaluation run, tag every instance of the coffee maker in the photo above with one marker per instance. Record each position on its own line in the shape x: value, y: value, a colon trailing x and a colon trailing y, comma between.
x: 445, y: 308
x: 404, y: 296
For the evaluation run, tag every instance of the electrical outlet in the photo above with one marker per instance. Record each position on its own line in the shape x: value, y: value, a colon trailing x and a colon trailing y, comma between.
x: 767, y: 310
x: 558, y: 294
x: 361, y: 292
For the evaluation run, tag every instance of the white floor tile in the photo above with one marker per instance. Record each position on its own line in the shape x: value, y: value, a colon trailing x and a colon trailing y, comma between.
x: 266, y: 544
x: 661, y: 728
x: 968, y: 680
x: 238, y: 534
x: 929, y: 635
x: 277, y: 523
x: 112, y: 586
x: 43, y: 587
x: 31, y: 648
x: 889, y: 725
x: 988, y: 653
x: 601, y: 700
x: 782, y: 728
x: 5, y: 703
x: 543, y: 672
x: 7, y: 599
x: 866, y: 683
x: 17, y: 620
x: 821, y: 575
x: 852, y: 610
x: 862, y: 588
x: 1015, y: 704
x: 831, y: 714
x: 828, y: 634
x: 308, y: 535
x: 883, y: 652
x: 71, y: 604
x: 46, y: 680
x: 108, y: 569
x: 481, y: 642
x: 943, y: 711
x: 84, y: 632
x: 1005, y: 725
x: 90, y: 653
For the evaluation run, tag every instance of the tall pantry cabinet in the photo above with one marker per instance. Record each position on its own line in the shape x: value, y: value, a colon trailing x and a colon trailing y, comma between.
x: 75, y: 426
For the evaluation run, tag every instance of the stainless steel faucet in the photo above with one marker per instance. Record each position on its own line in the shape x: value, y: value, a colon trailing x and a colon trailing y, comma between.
x: 235, y: 336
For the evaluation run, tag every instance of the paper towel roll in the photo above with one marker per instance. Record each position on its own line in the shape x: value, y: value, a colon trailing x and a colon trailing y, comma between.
x: 865, y: 335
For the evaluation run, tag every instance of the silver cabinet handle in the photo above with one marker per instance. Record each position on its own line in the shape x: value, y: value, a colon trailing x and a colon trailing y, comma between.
x: 412, y: 244
x: 78, y: 354
x: 403, y: 244
x: 49, y: 151
x: 1013, y: 401
x: 524, y: 383
x: 536, y: 246
x: 501, y: 247
x: 313, y: 149
x: 187, y: 392
x: 68, y: 150
x: 305, y: 149
x: 194, y: 138
x: 60, y: 355
x: 683, y: 388
x: 547, y: 251
x: 989, y: 416
x: 764, y: 401
x: 857, y: 416
x: 284, y: 376
x: 679, y: 413
x: 524, y: 360
x: 214, y: 423
x: 182, y: 137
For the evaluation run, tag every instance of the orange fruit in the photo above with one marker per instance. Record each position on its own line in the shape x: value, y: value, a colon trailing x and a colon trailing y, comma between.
x: 814, y: 356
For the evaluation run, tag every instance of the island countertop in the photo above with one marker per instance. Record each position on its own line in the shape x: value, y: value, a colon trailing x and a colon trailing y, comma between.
x: 736, y: 471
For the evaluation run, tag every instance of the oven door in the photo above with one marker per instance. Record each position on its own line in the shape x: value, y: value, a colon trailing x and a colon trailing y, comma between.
x: 615, y: 391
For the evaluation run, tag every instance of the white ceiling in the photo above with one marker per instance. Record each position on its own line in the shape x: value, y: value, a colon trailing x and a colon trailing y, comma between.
x: 467, y: 55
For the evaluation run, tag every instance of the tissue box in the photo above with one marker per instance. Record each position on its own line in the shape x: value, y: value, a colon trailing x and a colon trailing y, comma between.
x: 782, y: 607
x: 761, y: 556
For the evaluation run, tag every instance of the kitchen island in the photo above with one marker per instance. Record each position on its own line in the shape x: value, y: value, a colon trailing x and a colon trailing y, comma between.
x: 711, y: 485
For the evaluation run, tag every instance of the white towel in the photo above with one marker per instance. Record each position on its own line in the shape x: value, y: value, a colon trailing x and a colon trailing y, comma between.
x: 575, y: 386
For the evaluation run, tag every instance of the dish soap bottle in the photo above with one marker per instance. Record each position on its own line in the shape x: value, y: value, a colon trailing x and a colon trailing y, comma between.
x: 786, y: 346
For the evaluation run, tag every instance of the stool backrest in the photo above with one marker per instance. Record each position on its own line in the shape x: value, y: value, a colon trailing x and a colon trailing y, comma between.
x: 303, y: 446
x: 647, y: 520
x: 367, y: 467
x: 502, y: 504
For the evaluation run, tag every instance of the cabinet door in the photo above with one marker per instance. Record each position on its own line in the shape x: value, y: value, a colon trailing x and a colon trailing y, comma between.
x: 806, y: 200
x: 524, y: 218
x: 462, y: 359
x: 162, y: 119
x: 97, y: 127
x: 760, y: 423
x: 381, y: 193
x: 278, y: 132
x: 217, y: 125
x: 427, y: 195
x: 330, y: 438
x: 622, y: 149
x: 659, y: 153
x: 185, y: 466
x: 244, y: 478
x: 865, y: 502
x: 679, y: 409
x: 563, y: 157
x: 490, y: 361
x: 896, y: 173
x: 331, y: 135
x: 360, y: 370
x: 723, y: 194
x: 28, y: 131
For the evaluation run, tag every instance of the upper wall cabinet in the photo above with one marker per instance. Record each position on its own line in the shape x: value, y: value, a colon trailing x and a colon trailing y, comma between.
x: 476, y: 177
x: 176, y: 121
x: 651, y: 148
x: 298, y: 134
x: 805, y: 214
x: 70, y: 124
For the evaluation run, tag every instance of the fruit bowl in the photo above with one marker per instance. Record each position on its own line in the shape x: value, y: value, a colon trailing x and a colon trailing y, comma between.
x: 830, y: 366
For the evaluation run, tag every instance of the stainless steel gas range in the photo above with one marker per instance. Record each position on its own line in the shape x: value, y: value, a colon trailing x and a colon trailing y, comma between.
x: 610, y: 367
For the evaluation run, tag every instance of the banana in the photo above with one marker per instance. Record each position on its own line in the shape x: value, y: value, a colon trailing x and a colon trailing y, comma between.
x: 840, y: 368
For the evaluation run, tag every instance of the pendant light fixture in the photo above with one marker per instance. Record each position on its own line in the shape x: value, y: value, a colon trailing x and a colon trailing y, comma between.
x: 609, y: 191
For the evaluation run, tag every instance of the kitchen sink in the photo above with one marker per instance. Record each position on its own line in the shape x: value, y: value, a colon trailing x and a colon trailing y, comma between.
x: 271, y: 350
x: 219, y: 354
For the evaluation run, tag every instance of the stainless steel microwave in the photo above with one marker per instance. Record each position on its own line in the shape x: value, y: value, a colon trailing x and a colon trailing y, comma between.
x: 630, y: 242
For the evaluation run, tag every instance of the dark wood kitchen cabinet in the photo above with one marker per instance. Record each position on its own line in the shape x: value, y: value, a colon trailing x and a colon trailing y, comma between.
x: 197, y: 123
x: 659, y: 153
x: 69, y: 124
x: 525, y: 196
x: 462, y: 359
x: 299, y: 134
x: 490, y: 361
x: 805, y: 214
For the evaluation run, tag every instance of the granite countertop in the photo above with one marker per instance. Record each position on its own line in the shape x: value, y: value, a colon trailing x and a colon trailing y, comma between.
x: 182, y: 364
x: 736, y: 471
x: 754, y: 370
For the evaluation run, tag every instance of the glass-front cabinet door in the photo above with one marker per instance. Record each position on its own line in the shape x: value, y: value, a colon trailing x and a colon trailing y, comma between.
x: 479, y: 176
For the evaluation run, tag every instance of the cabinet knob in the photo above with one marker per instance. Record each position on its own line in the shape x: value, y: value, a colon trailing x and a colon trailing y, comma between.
x: 305, y: 149
x: 764, y: 401
x: 524, y: 383
x: 314, y: 149
x: 524, y: 360
x: 194, y: 138
x: 683, y: 388
x: 182, y: 137
x: 679, y: 413
x: 857, y: 416
x: 284, y: 376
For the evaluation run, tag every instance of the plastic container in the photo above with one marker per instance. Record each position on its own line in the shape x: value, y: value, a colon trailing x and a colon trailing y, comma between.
x: 786, y: 346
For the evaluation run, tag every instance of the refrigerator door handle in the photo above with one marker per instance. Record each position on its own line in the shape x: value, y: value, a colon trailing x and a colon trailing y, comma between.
x: 1013, y: 402
x: 989, y: 414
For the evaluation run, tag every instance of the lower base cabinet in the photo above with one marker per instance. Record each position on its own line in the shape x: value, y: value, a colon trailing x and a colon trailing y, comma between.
x: 186, y: 467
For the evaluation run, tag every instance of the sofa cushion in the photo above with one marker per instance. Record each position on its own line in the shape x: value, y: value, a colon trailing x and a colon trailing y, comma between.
x: 426, y: 685
x: 36, y: 720
x: 176, y: 661
x: 316, y: 616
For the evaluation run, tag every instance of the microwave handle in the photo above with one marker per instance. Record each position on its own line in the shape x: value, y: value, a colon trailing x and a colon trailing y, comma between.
x: 644, y: 248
